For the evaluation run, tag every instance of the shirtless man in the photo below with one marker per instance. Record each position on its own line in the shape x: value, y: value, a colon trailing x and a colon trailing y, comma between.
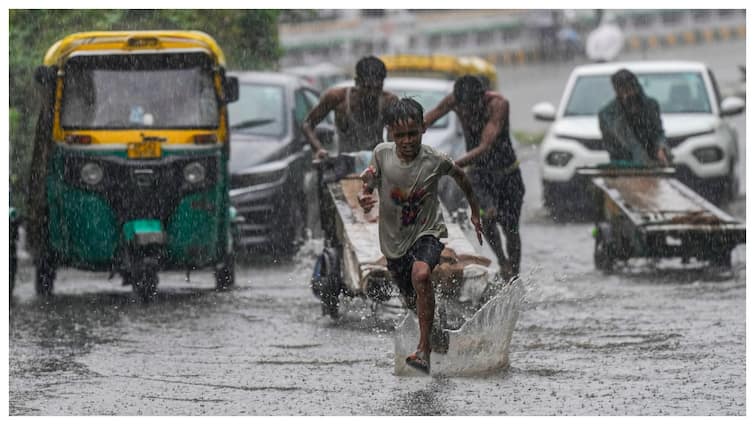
x: 359, y: 110
x: 494, y: 168
x: 406, y: 175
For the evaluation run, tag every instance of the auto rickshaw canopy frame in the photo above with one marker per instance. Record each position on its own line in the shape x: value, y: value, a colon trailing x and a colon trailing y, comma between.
x: 153, y: 40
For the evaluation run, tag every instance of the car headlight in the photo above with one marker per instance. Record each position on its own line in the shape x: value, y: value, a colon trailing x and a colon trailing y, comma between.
x: 708, y: 154
x: 91, y: 173
x: 558, y: 158
x: 194, y: 173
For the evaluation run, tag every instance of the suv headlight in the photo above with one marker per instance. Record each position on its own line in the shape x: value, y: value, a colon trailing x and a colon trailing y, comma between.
x: 194, y: 173
x: 558, y: 158
x: 91, y: 173
x: 708, y: 154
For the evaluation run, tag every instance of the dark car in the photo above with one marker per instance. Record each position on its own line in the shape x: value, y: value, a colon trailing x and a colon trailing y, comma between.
x: 270, y: 158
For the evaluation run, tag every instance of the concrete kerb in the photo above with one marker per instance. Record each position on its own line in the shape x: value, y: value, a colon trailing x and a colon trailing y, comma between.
x: 635, y: 43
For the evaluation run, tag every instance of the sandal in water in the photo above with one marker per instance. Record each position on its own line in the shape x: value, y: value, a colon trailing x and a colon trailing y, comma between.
x: 420, y: 361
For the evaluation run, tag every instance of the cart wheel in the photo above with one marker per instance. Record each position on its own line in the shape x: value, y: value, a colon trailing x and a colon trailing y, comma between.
x: 721, y: 259
x: 326, y: 281
x: 603, y: 255
x: 225, y: 274
x: 45, y: 276
x: 144, y: 284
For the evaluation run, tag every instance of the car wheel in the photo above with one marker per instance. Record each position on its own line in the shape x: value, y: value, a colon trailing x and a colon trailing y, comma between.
x: 293, y: 226
x: 553, y: 203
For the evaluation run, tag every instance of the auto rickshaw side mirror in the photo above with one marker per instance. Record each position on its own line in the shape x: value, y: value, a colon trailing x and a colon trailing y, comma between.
x: 230, y: 89
x: 45, y: 75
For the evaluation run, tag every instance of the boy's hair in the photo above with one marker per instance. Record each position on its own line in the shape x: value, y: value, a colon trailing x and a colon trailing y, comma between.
x: 370, y: 68
x: 404, y: 109
x: 468, y: 89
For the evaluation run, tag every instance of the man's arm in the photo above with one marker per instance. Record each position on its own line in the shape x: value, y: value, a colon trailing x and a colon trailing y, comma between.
x: 499, y: 114
x: 466, y: 186
x: 445, y: 106
x: 329, y: 101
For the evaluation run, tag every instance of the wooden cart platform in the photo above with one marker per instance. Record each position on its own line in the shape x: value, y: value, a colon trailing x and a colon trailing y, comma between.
x: 647, y: 213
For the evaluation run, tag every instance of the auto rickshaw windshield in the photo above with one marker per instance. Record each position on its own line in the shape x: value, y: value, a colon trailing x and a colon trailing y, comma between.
x: 166, y: 90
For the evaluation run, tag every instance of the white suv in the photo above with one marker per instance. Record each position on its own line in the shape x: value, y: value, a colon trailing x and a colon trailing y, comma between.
x: 703, y: 144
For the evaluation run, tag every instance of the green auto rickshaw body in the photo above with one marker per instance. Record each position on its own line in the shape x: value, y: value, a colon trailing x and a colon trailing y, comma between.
x: 132, y: 151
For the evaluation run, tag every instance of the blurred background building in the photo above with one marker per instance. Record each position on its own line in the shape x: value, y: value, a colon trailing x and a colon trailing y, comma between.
x: 500, y: 35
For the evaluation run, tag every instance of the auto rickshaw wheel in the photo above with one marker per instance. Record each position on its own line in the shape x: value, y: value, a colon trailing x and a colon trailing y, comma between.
x: 225, y: 274
x: 144, y: 283
x: 44, y: 276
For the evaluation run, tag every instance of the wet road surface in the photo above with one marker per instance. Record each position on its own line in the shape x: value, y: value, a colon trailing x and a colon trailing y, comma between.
x: 651, y: 339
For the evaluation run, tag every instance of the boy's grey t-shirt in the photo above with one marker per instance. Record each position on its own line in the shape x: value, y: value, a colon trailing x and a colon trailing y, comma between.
x: 409, y: 206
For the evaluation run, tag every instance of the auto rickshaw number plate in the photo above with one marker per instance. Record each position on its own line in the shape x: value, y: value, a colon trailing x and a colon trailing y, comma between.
x: 147, y: 149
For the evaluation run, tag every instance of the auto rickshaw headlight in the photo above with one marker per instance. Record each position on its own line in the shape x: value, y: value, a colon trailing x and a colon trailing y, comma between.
x: 91, y: 173
x: 194, y: 172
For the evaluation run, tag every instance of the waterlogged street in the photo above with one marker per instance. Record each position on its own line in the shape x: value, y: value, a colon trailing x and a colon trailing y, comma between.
x: 651, y: 339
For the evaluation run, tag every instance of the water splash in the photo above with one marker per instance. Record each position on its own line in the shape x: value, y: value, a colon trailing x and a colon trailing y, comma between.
x: 480, y: 345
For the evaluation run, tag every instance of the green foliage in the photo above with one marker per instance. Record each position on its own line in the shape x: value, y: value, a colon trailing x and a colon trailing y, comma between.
x: 249, y: 39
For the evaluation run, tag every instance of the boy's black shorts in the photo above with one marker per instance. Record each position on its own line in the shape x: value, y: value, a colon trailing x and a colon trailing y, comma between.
x: 426, y: 249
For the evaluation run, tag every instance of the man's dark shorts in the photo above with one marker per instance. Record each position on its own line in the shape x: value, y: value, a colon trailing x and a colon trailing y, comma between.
x: 426, y: 249
x: 504, y: 192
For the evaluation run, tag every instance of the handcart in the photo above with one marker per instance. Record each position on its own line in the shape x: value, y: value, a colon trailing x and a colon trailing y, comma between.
x: 647, y: 213
x: 351, y: 262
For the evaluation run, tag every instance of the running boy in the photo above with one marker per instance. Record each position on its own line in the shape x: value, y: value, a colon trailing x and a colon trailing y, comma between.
x: 406, y: 174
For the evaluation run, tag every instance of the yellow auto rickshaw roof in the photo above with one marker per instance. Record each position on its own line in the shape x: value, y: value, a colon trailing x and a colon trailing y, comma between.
x: 449, y: 65
x: 129, y: 41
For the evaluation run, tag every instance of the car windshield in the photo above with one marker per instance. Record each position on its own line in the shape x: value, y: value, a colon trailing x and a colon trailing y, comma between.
x: 260, y: 110
x: 427, y: 98
x: 139, y: 91
x: 676, y: 93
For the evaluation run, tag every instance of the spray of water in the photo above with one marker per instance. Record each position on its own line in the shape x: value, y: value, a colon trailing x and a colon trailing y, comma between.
x: 480, y: 345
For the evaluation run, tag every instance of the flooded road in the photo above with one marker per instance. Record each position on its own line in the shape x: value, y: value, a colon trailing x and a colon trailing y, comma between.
x: 652, y: 339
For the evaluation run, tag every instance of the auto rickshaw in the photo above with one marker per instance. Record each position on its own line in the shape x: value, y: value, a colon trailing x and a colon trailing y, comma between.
x: 443, y: 66
x: 130, y: 159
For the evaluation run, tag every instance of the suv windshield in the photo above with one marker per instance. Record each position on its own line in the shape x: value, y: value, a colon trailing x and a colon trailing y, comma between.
x: 428, y: 99
x: 676, y: 93
x: 139, y: 91
x: 260, y: 110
